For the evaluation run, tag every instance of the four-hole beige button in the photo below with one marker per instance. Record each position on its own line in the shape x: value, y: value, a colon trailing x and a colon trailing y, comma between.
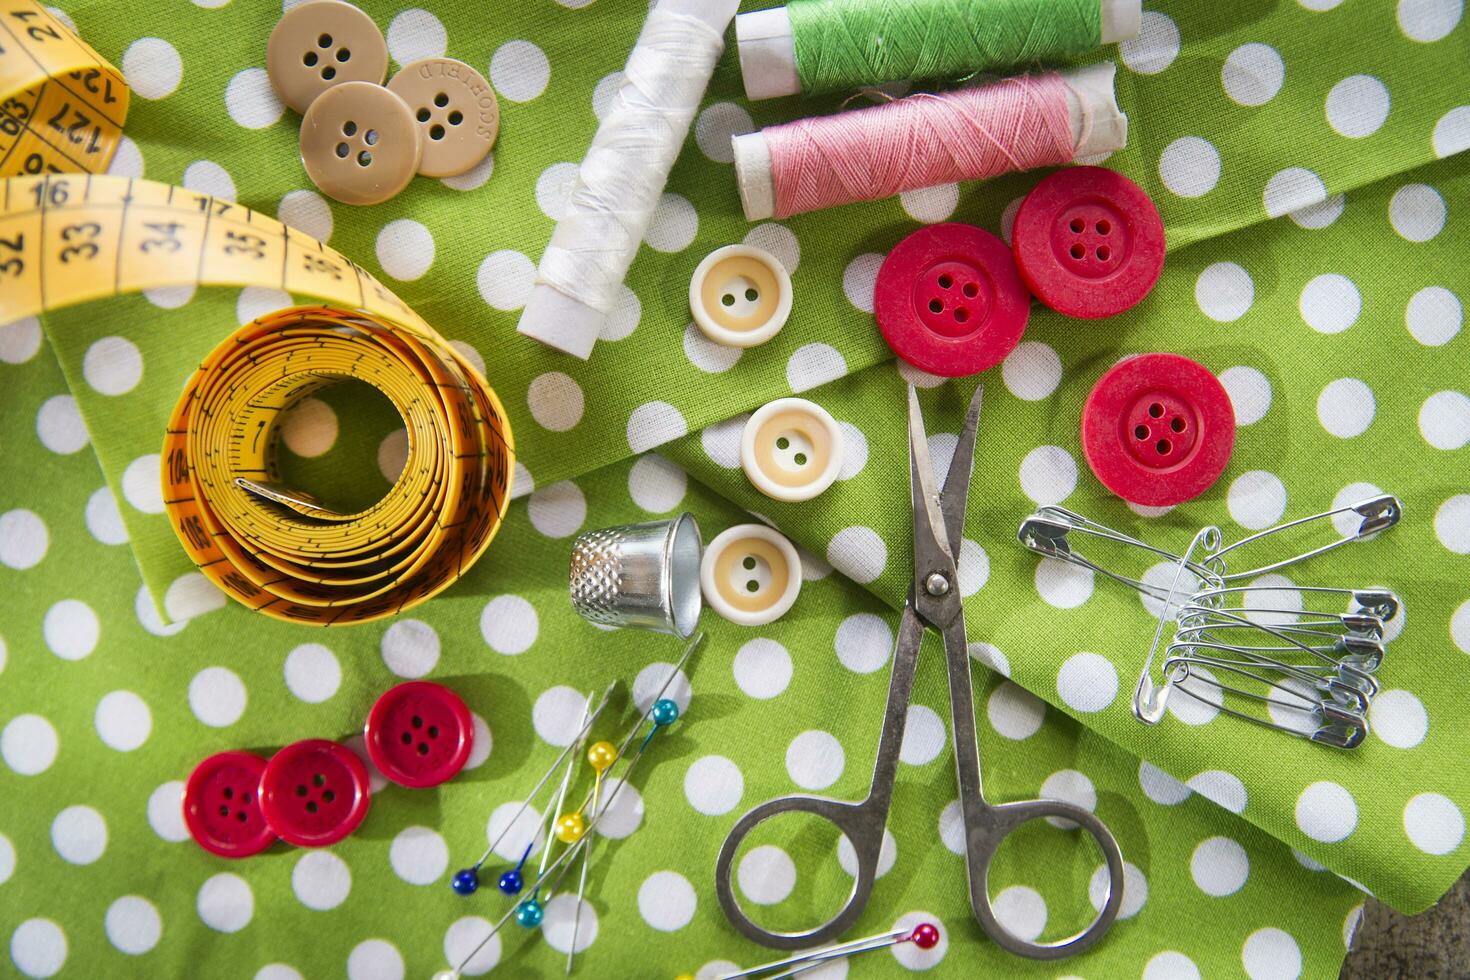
x: 750, y: 575
x: 456, y: 111
x: 791, y: 449
x: 360, y: 143
x: 321, y: 44
x: 740, y: 296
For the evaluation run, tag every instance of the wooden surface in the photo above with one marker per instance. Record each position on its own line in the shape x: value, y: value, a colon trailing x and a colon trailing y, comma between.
x: 1432, y: 946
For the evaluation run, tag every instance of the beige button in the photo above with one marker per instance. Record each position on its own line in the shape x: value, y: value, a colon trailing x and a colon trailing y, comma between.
x: 750, y: 575
x: 456, y: 109
x: 320, y: 44
x: 791, y: 449
x: 359, y: 143
x: 740, y: 296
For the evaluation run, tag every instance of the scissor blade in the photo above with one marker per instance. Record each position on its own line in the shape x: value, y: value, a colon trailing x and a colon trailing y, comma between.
x: 928, y: 523
x: 957, y: 482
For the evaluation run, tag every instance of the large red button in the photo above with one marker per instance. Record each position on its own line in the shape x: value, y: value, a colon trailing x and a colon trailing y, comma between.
x: 1158, y: 429
x: 314, y: 793
x: 222, y: 805
x: 949, y: 300
x: 1089, y: 242
x: 419, y: 734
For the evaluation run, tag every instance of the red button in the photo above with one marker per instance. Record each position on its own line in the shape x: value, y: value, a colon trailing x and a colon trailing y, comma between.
x: 949, y: 300
x: 222, y: 805
x: 1158, y: 429
x: 314, y: 793
x: 1089, y: 242
x: 419, y: 734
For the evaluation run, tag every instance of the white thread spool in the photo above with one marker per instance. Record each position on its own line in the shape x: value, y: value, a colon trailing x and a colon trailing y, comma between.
x: 1098, y: 127
x: 623, y: 174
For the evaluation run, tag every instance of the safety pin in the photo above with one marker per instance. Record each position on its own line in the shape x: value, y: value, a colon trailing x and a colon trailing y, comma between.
x: 1331, y: 724
x: 1150, y: 700
x: 1046, y: 533
x: 1376, y: 514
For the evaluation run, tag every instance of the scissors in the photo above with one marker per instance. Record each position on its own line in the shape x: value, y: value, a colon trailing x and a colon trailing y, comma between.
x: 933, y: 601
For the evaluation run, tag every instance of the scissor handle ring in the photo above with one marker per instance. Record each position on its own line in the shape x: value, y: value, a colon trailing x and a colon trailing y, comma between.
x: 986, y: 840
x: 854, y: 820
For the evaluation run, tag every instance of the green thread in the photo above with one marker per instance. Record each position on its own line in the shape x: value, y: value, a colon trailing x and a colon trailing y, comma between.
x: 845, y: 44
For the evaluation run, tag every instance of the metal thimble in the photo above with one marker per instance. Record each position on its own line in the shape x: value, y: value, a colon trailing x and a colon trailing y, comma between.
x: 641, y: 575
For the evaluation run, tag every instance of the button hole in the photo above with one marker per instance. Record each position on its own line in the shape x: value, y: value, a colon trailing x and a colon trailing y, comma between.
x: 417, y: 722
x: 310, y: 59
x: 364, y: 159
x: 325, y: 41
x: 1103, y: 227
x: 456, y: 117
x: 752, y: 586
x: 1103, y: 252
x: 344, y: 54
x: 245, y: 798
x: 224, y: 811
x: 436, y: 132
x: 342, y: 150
x: 751, y: 295
x: 1077, y: 225
x: 1177, y: 424
x: 945, y: 282
x: 423, y: 115
x: 319, y: 780
x: 433, y: 731
x: 241, y: 816
x: 229, y: 793
x: 1163, y: 447
x: 423, y: 748
x: 349, y: 128
x: 311, y: 806
x: 800, y: 459
x: 300, y: 790
x: 441, y: 100
x: 1141, y: 432
x: 1156, y: 410
x: 370, y: 137
x: 1077, y: 251
x: 781, y: 443
x: 329, y: 73
x: 748, y: 564
x: 936, y: 306
x: 328, y: 796
x: 971, y: 290
x: 407, y: 739
x: 961, y: 315
x: 728, y: 299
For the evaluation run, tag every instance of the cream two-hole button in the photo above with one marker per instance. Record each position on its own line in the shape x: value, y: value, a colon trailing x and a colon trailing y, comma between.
x: 360, y: 143
x: 740, y: 296
x: 750, y: 575
x: 791, y: 449
x: 318, y: 45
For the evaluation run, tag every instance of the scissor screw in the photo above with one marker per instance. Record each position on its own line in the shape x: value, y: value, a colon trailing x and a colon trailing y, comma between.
x: 936, y: 584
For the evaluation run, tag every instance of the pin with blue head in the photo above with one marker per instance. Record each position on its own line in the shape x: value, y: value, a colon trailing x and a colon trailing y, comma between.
x: 465, y: 881
x: 530, y: 913
x: 665, y: 712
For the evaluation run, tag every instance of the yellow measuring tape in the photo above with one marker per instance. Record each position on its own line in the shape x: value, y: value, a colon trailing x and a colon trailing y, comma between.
x: 68, y: 240
x: 62, y: 106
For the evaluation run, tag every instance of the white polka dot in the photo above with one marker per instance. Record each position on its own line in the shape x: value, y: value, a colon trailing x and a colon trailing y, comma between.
x: 104, y: 521
x: 526, y: 831
x: 375, y: 959
x: 1170, y: 965
x: 133, y: 925
x: 1350, y: 924
x: 1307, y: 862
x: 1451, y: 133
x: 38, y: 948
x: 653, y: 424
x: 126, y: 162
x: 1252, y: 75
x: 565, y: 914
x: 505, y: 279
x: 1048, y: 475
x: 705, y: 354
x: 1069, y: 786
x: 23, y: 539
x: 721, y: 441
x: 313, y: 673
x: 509, y: 624
x: 814, y: 760
x: 666, y: 901
x: 20, y: 340
x: 1417, y: 212
x: 1326, y: 812
x: 1429, y: 20
x: 1087, y: 682
x: 464, y: 937
x: 225, y: 903
x: 656, y: 485
x: 766, y: 875
x: 1155, y: 46
x: 1219, y: 866
x: 1249, y: 391
x: 1224, y: 292
x: 717, y: 124
x: 619, y: 810
x: 1319, y: 215
x: 1271, y: 954
x: 471, y: 355
x: 777, y: 239
x: 1319, y: 5
x: 811, y: 365
x: 931, y: 204
x: 909, y: 955
x: 410, y: 648
x: 1398, y: 717
x: 1357, y: 106
x: 1434, y: 824
x: 321, y: 880
x: 141, y: 485
x: 924, y: 736
x: 559, y: 510
x: 655, y: 678
x: 973, y: 565
x: 941, y: 454
x: 1221, y: 788
x: 1346, y: 408
x: 1008, y: 217
x: 555, y: 401
x: 1292, y: 189
x: 887, y: 855
x: 1444, y: 420
x: 859, y: 278
x: 405, y: 249
x: 483, y: 742
x: 952, y: 828
x: 217, y: 696
x: 1032, y: 371
x: 1014, y: 712
x: 166, y: 812
x: 251, y: 101
x: 1434, y: 316
x: 258, y: 301
x: 1021, y: 910
x: 863, y: 642
x: 1347, y: 524
x: 1330, y: 303
x: 415, y: 34
x: 859, y: 553
x: 990, y: 656
x: 762, y: 668
x: 623, y: 320
x: 473, y: 178
x: 673, y: 226
x: 79, y: 834
x: 1256, y: 499
x: 854, y: 451
x: 208, y: 177
x: 713, y: 785
x: 418, y: 855
x: 554, y: 188
x: 123, y: 720
x: 1190, y: 166
x: 59, y: 425
x: 113, y: 366
x: 519, y: 71
x: 309, y: 428
x: 558, y: 715
x: 71, y: 629
x: 1135, y: 890
x: 604, y: 92
x: 1198, y: 698
x: 152, y: 68
x: 190, y: 595
x: 1452, y: 524
x: 393, y: 454
x: 1062, y: 584
x: 170, y: 297
x: 1161, y: 787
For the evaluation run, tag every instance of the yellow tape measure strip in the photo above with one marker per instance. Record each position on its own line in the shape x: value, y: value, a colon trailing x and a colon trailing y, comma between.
x: 69, y: 240
x: 62, y: 106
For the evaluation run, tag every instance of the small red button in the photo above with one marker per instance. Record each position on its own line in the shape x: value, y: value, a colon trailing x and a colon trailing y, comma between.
x: 1158, y: 429
x: 419, y: 734
x: 222, y: 805
x: 949, y: 300
x: 1089, y: 242
x: 314, y: 793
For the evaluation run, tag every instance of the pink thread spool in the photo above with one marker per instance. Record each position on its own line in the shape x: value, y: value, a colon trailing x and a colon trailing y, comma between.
x: 925, y: 140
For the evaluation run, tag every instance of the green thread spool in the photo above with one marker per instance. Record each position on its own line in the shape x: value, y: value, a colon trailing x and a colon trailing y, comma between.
x: 840, y: 45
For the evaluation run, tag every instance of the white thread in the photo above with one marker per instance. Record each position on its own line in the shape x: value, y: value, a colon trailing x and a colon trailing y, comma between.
x: 623, y: 174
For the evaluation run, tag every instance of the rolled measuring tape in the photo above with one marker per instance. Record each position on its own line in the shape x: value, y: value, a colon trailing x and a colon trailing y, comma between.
x: 272, y: 547
x: 62, y: 106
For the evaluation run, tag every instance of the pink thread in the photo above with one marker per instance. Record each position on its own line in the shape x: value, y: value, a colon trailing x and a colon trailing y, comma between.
x: 921, y: 141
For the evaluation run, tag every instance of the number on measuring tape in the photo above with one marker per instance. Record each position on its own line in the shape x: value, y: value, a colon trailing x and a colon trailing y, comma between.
x: 167, y: 239
x: 244, y: 243
x: 84, y: 236
x: 12, y: 264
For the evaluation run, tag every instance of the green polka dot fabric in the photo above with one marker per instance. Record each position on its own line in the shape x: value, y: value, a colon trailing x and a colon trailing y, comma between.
x: 1303, y: 156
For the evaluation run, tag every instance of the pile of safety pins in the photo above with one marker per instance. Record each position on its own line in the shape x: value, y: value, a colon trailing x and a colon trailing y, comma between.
x: 1306, y: 655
